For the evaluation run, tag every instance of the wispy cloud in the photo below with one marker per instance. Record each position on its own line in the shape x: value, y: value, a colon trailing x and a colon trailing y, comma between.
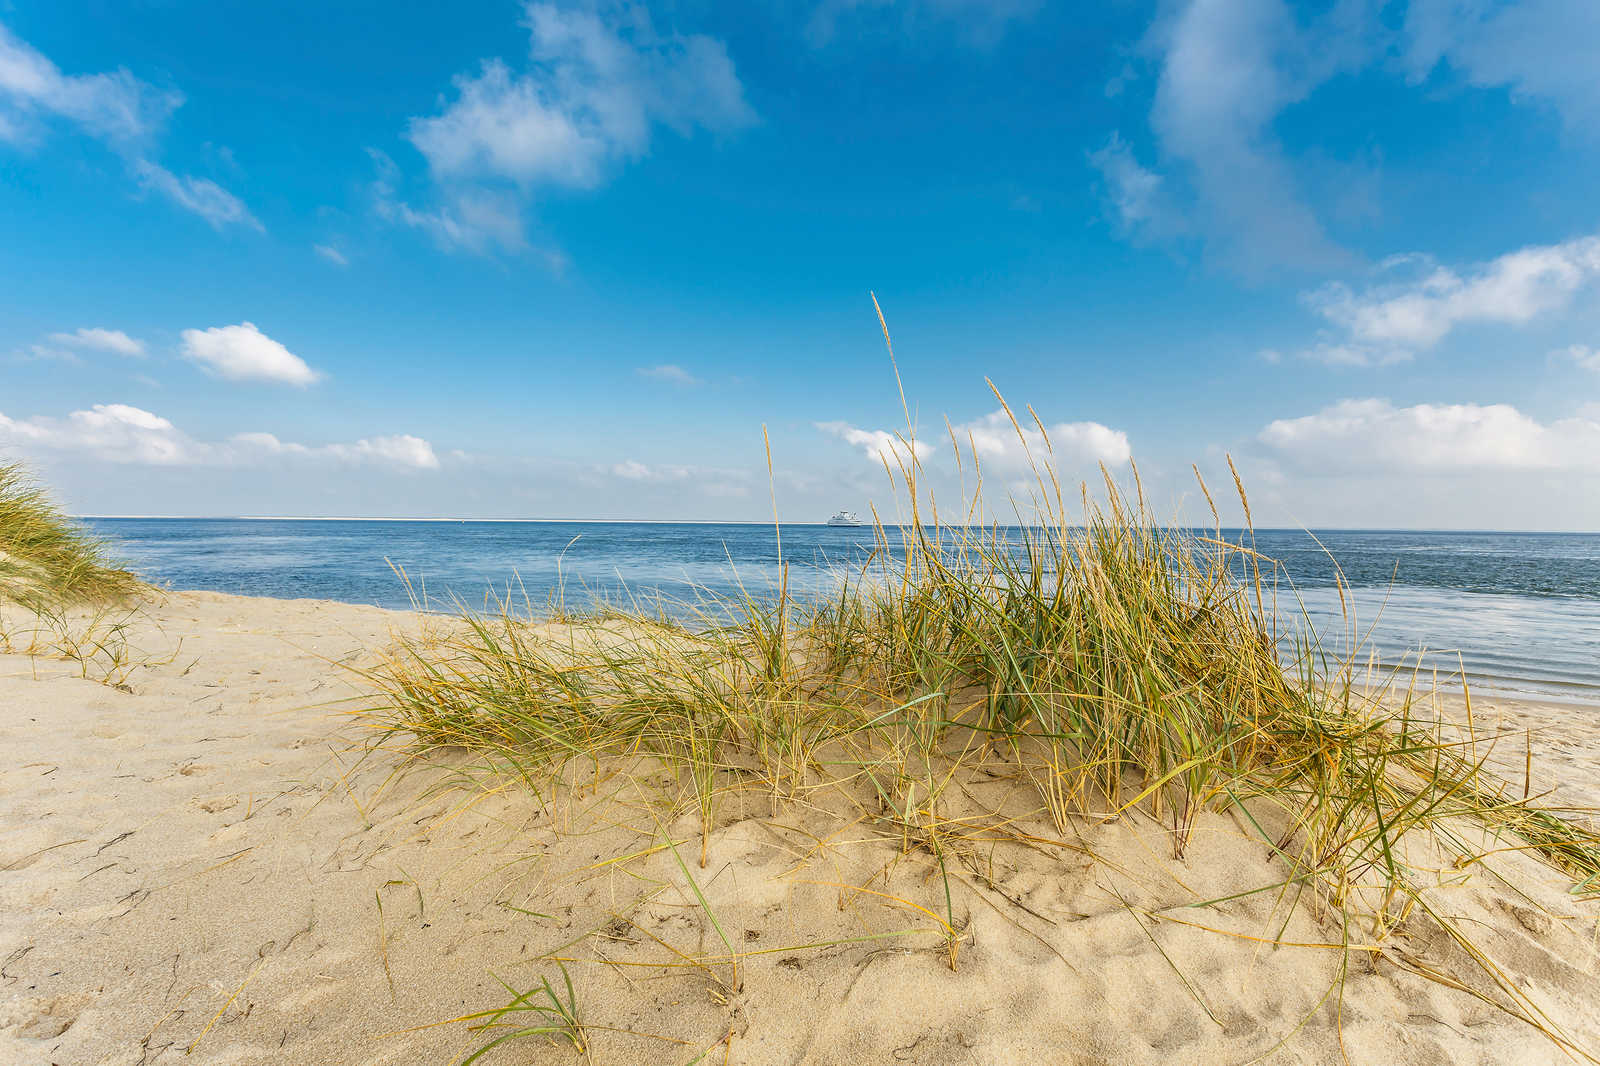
x: 120, y: 110
x: 1582, y: 356
x: 244, y: 353
x: 669, y: 372
x: 1336, y: 354
x: 1140, y: 200
x: 1227, y: 71
x: 601, y: 80
x: 115, y: 107
x: 202, y: 196
x: 719, y: 482
x: 1541, y: 50
x: 331, y: 254
x: 101, y: 340
x: 633, y: 470
x: 466, y: 219
x: 120, y: 433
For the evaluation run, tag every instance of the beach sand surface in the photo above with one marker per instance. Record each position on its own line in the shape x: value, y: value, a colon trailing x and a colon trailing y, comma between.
x: 212, y: 864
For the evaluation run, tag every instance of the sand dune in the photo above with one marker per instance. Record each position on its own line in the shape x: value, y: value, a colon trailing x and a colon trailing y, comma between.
x: 213, y: 862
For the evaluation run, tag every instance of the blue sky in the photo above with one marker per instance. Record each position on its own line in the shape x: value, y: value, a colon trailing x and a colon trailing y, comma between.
x: 568, y: 259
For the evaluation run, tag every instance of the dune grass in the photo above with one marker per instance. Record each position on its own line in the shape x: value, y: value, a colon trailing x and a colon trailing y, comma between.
x: 1118, y: 664
x: 46, y: 559
x: 75, y: 603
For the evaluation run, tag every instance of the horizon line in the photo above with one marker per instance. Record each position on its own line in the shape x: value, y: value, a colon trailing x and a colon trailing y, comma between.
x: 768, y: 522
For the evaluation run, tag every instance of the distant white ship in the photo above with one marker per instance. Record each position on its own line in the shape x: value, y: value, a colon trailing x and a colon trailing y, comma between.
x: 844, y: 518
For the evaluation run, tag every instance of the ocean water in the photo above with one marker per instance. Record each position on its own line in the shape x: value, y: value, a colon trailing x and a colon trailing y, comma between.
x: 1520, y: 612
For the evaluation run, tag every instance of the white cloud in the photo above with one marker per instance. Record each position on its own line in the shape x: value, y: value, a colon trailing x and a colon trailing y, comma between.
x: 101, y: 340
x: 1582, y: 355
x: 677, y: 375
x: 602, y: 78
x: 1514, y: 288
x: 114, y: 432
x: 502, y: 127
x: 880, y: 445
x: 331, y: 254
x: 634, y: 470
x: 1373, y: 435
x: 117, y: 108
x: 119, y: 433
x: 997, y: 443
x: 244, y: 353
x: 1538, y: 49
x: 402, y: 450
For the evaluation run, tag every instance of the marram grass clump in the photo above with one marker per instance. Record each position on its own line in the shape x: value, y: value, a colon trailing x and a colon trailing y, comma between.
x: 47, y: 560
x: 1112, y: 666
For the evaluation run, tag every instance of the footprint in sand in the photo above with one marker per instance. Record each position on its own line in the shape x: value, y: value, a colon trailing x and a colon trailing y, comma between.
x: 37, y: 1018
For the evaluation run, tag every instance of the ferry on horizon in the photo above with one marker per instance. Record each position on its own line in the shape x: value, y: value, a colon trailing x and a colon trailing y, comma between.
x: 844, y: 518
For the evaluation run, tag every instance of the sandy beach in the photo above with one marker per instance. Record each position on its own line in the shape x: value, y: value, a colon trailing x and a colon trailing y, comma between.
x: 212, y: 863
x: 836, y: 533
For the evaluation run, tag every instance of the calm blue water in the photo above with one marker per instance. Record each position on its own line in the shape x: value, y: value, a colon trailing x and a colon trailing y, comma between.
x: 1520, y: 610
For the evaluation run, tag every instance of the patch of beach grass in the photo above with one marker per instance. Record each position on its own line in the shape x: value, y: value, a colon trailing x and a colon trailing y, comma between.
x: 69, y: 599
x: 1118, y: 667
x: 46, y: 559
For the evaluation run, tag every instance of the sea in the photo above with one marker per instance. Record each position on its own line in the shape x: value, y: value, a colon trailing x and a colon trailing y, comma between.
x: 1516, y: 614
